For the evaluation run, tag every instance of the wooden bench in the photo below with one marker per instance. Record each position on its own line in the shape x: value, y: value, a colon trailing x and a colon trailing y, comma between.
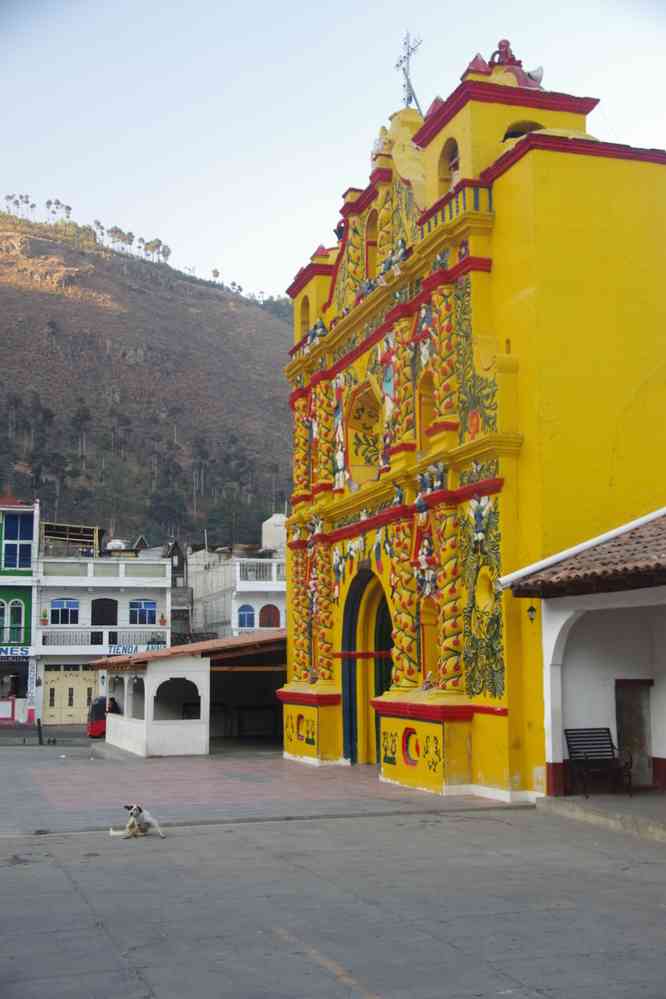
x: 591, y: 751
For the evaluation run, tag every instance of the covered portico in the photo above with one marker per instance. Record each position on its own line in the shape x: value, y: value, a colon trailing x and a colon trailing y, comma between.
x: 160, y: 702
x: 603, y: 639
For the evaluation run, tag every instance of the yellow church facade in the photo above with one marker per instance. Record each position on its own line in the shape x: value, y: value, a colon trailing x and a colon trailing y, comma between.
x: 477, y: 381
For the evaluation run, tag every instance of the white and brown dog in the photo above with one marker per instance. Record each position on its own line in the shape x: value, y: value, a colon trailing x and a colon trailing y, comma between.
x: 139, y: 822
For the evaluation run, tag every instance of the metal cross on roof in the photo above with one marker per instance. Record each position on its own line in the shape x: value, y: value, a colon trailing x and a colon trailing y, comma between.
x: 409, y: 47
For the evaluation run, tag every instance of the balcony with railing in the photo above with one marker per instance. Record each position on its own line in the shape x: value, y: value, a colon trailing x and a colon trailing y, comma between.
x: 15, y: 635
x: 105, y: 572
x: 103, y: 641
x: 260, y: 574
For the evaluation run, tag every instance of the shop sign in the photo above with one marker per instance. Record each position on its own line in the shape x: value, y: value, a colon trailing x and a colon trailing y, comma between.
x: 132, y: 650
x: 14, y: 651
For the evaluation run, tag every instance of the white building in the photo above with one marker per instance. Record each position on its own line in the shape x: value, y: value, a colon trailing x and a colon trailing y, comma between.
x: 603, y: 637
x: 91, y: 603
x: 233, y: 592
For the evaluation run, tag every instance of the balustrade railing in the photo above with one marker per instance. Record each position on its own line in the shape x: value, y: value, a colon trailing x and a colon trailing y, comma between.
x: 94, y: 636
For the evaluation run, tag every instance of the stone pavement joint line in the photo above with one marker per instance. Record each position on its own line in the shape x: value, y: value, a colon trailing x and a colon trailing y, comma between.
x: 56, y: 790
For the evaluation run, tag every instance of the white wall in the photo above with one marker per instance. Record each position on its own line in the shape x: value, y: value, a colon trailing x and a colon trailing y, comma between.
x: 85, y: 598
x: 257, y: 601
x: 127, y: 733
x: 609, y: 645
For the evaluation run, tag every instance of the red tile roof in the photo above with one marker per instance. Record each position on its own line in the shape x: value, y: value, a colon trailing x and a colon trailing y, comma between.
x: 215, y: 646
x: 633, y: 559
x: 8, y: 500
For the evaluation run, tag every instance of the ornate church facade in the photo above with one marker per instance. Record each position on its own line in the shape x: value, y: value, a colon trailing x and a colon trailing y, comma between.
x: 462, y: 386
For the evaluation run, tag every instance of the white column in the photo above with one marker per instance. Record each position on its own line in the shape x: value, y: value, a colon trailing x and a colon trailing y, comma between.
x: 556, y: 623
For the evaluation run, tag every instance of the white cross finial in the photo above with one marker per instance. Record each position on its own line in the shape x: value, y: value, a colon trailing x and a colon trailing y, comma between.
x: 409, y: 47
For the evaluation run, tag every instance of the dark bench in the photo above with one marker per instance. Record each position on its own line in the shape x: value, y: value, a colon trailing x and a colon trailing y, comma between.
x: 591, y: 751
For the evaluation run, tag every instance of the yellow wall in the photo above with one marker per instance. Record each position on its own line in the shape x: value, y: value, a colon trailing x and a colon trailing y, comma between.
x: 567, y: 332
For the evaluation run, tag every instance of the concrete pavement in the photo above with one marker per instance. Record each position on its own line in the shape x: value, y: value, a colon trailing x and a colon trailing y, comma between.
x: 448, y: 906
x: 78, y: 788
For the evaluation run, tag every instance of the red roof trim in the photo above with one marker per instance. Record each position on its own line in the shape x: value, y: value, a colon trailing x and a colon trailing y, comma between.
x: 495, y: 93
x: 301, y: 697
x: 306, y: 274
x: 405, y: 311
x: 579, y: 147
x: 434, y: 712
x: 452, y: 497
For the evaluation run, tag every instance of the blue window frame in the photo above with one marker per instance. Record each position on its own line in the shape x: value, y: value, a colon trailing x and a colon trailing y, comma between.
x: 143, y: 611
x: 246, y: 616
x: 64, y: 611
x: 17, y: 546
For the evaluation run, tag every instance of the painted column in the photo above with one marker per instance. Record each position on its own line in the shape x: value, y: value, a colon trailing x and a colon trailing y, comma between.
x: 445, y: 380
x: 403, y: 587
x: 301, y: 447
x: 450, y: 609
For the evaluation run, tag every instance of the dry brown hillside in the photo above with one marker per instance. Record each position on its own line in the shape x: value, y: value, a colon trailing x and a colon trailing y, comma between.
x: 132, y: 393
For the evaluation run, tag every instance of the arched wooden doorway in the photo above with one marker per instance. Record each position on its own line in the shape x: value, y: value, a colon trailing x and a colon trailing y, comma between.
x: 366, y: 665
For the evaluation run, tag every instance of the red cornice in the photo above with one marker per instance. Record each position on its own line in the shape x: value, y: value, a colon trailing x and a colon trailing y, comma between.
x: 312, y: 700
x: 451, y: 497
x: 298, y: 393
x: 375, y: 654
x: 434, y: 712
x: 300, y: 498
x: 444, y: 200
x: 297, y: 545
x: 495, y: 93
x: 361, y: 203
x: 578, y: 147
x: 306, y: 274
x: 321, y: 487
x: 439, y: 425
x: 405, y: 311
x: 381, y: 175
x: 404, y: 446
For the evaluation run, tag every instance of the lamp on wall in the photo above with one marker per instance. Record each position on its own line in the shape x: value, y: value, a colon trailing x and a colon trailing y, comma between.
x: 531, y: 613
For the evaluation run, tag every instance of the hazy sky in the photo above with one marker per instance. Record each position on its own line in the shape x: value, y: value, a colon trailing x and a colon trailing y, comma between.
x: 230, y: 129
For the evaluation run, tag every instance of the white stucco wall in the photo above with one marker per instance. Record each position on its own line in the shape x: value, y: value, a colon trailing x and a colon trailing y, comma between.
x: 178, y: 738
x: 608, y: 645
x: 147, y: 737
x: 127, y: 733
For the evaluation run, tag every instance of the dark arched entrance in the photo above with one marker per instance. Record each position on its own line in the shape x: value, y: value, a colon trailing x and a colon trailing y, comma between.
x: 366, y: 665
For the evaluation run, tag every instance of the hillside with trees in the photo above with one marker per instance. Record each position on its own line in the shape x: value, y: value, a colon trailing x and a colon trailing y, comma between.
x: 133, y: 395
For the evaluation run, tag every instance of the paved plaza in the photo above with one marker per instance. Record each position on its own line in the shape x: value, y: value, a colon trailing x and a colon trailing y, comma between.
x: 360, y: 890
x: 83, y: 788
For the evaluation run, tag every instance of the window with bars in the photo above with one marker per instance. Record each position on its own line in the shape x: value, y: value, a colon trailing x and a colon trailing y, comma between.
x: 142, y: 612
x: 89, y: 691
x: 52, y: 697
x: 70, y: 697
x: 64, y: 611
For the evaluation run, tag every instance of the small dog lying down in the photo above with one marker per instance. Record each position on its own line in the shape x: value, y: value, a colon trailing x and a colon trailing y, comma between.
x: 139, y: 823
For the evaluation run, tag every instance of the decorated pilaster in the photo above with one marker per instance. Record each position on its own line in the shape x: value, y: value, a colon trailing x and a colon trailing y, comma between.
x: 450, y: 601
x: 301, y: 448
x: 404, y: 598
